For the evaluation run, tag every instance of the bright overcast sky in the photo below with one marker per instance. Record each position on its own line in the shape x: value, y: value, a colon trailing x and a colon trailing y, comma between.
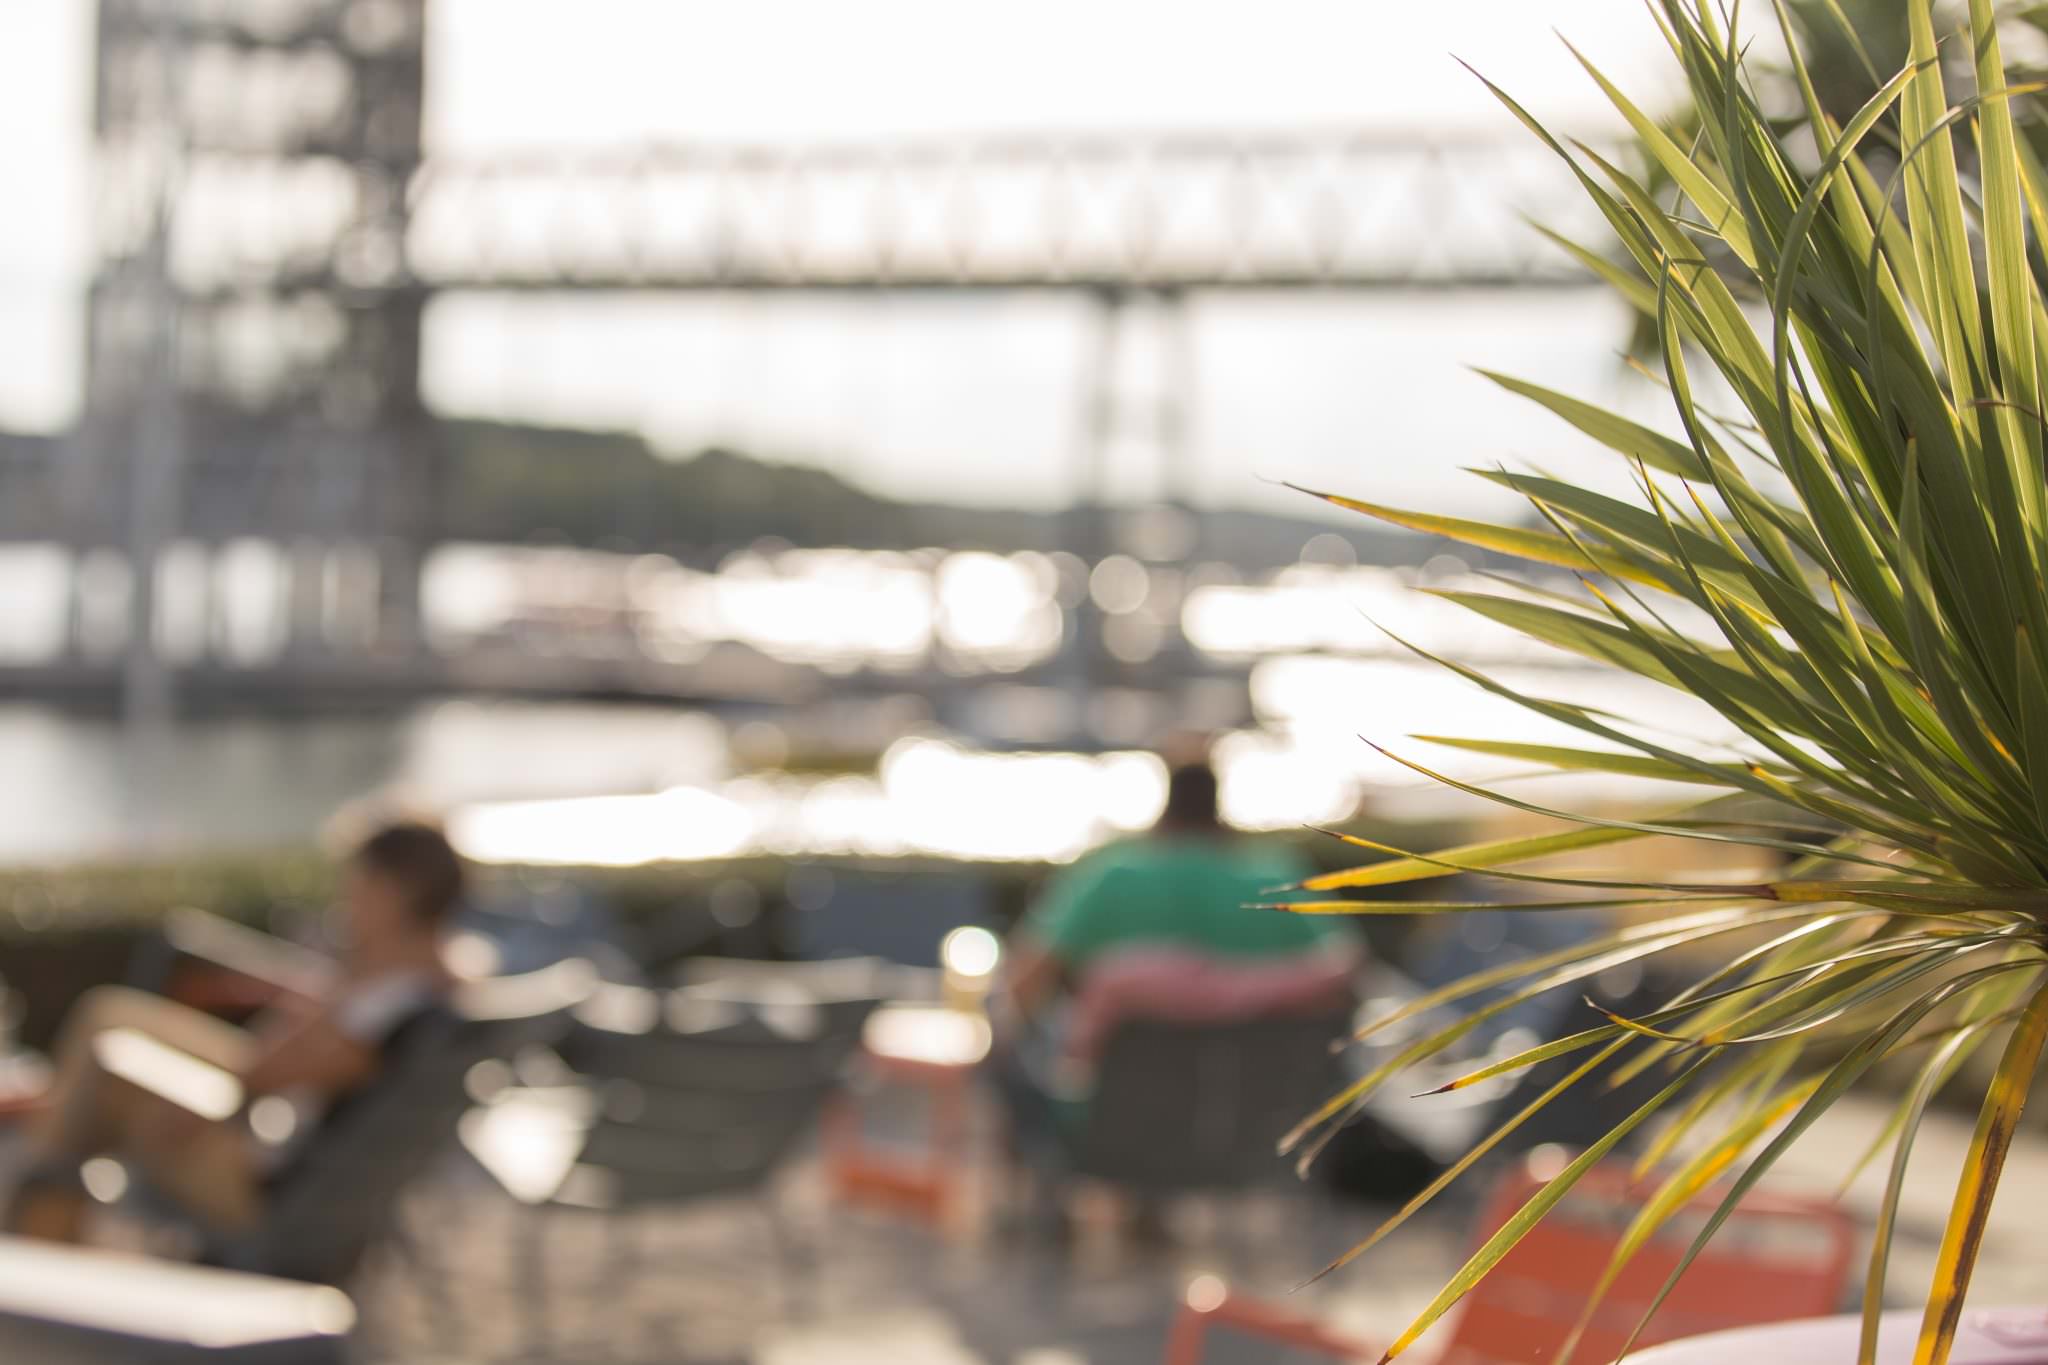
x: 524, y: 71
x: 971, y: 400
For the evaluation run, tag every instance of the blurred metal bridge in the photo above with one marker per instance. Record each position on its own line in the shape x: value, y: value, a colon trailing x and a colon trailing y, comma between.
x: 270, y: 229
x: 1343, y: 210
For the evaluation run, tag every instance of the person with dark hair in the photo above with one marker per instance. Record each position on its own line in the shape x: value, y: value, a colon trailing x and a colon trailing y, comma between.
x: 1158, y: 926
x: 1191, y: 799
x: 166, y: 1087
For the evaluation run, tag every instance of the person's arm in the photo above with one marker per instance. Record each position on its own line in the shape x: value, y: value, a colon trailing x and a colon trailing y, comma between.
x: 311, y: 1052
x: 1055, y: 938
x: 1033, y: 976
x: 300, y: 977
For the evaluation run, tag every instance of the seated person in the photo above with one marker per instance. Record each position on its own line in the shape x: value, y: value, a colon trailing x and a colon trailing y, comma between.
x: 1157, y: 927
x: 397, y: 887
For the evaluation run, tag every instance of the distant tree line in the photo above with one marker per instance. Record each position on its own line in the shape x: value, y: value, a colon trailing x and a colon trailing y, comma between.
x: 610, y: 489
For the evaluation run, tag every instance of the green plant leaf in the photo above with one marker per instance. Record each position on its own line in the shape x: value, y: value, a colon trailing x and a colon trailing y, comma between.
x: 1478, y: 1151
x: 1678, y: 1190
x: 1632, y: 439
x: 1846, y: 560
x: 1534, y: 546
x: 2003, y: 1101
x: 1859, y: 1059
x: 1525, y: 1218
x: 1569, y: 759
x: 1492, y: 853
x: 1933, y: 1074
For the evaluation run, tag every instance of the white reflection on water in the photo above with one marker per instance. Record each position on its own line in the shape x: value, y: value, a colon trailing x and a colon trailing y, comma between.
x: 1359, y: 611
x: 1270, y: 780
x: 830, y: 608
x: 999, y: 608
x: 32, y: 580
x: 1321, y: 698
x: 622, y: 784
x: 836, y: 609
x: 1306, y: 765
x: 1316, y: 713
x: 607, y: 831
x: 929, y: 797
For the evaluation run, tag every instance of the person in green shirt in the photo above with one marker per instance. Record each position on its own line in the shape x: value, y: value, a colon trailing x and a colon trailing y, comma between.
x: 1160, y: 926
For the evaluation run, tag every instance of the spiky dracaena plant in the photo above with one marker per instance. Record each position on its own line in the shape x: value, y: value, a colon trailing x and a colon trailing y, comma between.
x: 1879, y: 634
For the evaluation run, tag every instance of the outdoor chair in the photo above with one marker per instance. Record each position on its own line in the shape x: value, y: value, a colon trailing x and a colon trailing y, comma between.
x: 1177, y: 1108
x: 710, y: 1101
x: 1774, y: 1260
x: 1182, y: 1108
x: 337, y: 1193
x: 668, y: 1099
x: 919, y: 1061
x: 915, y: 1054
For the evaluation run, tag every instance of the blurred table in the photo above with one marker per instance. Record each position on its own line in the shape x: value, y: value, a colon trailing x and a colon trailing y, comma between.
x: 1986, y: 1336
x: 72, y: 1306
x: 933, y: 1048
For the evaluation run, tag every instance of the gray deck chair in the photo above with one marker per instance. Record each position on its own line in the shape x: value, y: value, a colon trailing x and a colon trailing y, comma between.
x: 75, y: 1306
x: 338, y: 1193
x: 1183, y: 1108
x: 712, y: 1098
x: 685, y: 1116
x: 679, y: 1097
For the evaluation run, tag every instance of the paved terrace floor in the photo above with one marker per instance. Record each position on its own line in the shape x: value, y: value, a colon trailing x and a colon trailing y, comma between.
x: 893, y: 1292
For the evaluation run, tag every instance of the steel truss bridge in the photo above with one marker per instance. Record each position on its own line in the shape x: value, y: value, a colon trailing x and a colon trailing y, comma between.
x: 1161, y: 213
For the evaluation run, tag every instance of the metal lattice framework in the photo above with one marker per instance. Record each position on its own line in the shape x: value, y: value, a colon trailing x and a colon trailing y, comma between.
x: 1343, y: 210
